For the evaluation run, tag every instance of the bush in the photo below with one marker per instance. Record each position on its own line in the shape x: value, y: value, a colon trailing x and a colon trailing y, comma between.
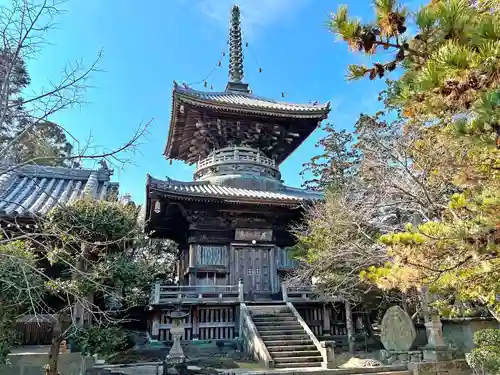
x: 485, y: 359
x: 102, y: 341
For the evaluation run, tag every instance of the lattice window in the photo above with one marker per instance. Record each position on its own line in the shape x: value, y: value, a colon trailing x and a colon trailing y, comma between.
x: 211, y: 255
x: 250, y: 271
x: 257, y: 271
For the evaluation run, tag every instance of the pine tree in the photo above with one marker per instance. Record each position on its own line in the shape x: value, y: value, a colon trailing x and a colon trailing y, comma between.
x: 448, y: 93
x: 33, y: 140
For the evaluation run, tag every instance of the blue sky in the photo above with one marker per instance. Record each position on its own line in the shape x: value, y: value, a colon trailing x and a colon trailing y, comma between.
x: 148, y: 44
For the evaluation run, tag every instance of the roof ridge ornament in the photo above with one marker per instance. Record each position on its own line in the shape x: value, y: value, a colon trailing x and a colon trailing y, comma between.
x: 235, y: 54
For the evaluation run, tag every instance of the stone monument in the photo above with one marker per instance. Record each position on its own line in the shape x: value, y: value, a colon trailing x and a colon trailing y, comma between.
x: 397, y: 334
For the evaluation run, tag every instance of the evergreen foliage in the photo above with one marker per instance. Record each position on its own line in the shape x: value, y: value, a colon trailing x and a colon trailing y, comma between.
x: 448, y: 94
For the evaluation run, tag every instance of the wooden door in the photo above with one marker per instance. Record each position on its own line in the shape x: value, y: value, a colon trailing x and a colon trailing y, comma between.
x: 253, y: 267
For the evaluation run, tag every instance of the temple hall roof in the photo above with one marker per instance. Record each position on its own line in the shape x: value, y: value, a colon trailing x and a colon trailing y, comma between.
x: 33, y: 190
x: 206, y: 191
x: 247, y: 102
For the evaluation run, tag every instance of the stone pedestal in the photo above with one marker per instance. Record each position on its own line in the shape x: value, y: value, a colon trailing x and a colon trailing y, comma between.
x: 174, y: 363
x: 436, y: 349
x: 176, y: 354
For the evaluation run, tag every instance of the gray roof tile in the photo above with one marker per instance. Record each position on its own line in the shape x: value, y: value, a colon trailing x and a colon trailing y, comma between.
x: 203, y: 190
x: 250, y: 101
x: 33, y: 190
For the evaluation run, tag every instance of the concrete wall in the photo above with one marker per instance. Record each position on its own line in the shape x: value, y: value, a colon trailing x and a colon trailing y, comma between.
x: 32, y: 364
x: 458, y: 333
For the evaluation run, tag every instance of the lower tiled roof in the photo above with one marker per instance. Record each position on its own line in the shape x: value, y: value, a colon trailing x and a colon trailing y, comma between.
x: 33, y: 190
x: 206, y: 190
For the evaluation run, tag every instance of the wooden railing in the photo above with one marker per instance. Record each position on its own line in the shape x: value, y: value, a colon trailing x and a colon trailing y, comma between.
x: 241, y: 154
x: 165, y: 294
x: 300, y: 293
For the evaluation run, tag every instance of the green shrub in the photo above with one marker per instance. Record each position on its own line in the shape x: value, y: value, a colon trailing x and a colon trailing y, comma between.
x: 102, y: 341
x: 485, y: 359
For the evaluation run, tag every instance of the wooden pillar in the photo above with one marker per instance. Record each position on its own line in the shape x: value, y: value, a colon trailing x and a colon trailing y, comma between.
x: 155, y: 325
x: 192, y: 255
x: 196, y: 323
x: 326, y: 320
x: 350, y: 327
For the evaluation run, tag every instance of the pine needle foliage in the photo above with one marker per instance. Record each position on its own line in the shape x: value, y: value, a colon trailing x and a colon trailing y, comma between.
x: 448, y: 92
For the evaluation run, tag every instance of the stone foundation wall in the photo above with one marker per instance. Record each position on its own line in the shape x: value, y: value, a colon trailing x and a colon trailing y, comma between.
x: 456, y: 367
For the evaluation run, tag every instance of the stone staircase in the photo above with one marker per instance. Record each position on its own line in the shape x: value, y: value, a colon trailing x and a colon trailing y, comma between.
x: 285, y: 339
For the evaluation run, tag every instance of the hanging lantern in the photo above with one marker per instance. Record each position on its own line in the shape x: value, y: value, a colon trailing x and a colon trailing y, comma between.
x: 260, y: 70
x: 223, y: 53
x: 246, y: 44
x: 205, y: 84
x: 282, y: 94
x: 219, y: 63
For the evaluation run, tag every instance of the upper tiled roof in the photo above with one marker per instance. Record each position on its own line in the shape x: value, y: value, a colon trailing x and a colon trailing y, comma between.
x: 204, y: 190
x: 252, y: 103
x: 33, y: 190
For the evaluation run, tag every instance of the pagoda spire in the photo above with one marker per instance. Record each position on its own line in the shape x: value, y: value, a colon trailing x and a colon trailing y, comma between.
x: 235, y: 53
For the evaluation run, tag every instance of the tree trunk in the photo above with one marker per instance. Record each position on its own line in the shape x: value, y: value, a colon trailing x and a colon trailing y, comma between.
x: 51, y: 367
x: 81, y: 267
x: 404, y: 302
x: 350, y: 327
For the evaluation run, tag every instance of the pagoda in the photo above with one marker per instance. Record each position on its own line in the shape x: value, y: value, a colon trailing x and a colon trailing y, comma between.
x: 232, y: 221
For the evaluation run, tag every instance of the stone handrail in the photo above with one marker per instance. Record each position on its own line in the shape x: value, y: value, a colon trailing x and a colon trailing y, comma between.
x: 235, y: 154
x: 252, y: 342
x: 325, y: 347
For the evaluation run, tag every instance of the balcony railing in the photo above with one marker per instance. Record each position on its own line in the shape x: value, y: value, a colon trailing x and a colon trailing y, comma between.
x: 192, y: 294
x: 235, y: 154
x: 172, y: 294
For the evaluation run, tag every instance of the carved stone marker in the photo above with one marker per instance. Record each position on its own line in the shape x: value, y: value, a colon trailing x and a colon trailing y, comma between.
x: 397, y: 331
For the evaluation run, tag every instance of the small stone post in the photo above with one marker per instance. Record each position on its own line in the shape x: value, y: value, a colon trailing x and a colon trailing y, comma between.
x: 284, y: 291
x: 329, y: 354
x: 436, y: 349
x: 241, y: 296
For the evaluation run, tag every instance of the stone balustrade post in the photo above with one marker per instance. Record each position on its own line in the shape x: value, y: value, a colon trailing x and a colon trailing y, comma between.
x: 284, y: 291
x: 240, y: 291
x: 328, y: 348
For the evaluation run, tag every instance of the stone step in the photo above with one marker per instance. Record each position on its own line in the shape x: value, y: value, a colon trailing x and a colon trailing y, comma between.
x: 273, y: 319
x: 295, y: 353
x: 271, y: 311
x: 282, y: 327
x: 297, y: 365
x: 277, y: 331
x: 314, y: 359
x: 290, y: 348
x: 272, y: 316
x: 273, y: 343
x: 282, y: 338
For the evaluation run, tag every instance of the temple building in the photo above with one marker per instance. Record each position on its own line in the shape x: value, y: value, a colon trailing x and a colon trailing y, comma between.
x: 232, y: 221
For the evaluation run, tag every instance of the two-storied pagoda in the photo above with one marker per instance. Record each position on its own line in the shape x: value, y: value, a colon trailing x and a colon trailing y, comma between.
x: 232, y: 222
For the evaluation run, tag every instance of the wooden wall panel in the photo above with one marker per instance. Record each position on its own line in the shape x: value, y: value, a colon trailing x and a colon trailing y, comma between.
x: 210, y: 323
